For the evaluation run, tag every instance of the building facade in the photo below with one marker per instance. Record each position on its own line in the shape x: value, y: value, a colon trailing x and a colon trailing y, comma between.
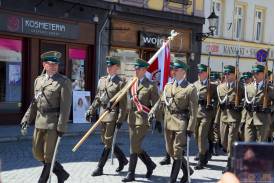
x: 245, y: 25
x: 85, y: 32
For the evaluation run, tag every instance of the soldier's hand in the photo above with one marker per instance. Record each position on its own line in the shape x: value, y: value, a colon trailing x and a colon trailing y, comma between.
x: 118, y: 125
x: 189, y: 133
x: 109, y: 106
x: 60, y: 134
x: 158, y: 126
x: 241, y: 128
x: 24, y: 128
x: 151, y: 117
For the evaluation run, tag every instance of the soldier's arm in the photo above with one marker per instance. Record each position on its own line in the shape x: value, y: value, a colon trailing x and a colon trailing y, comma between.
x: 193, y: 109
x: 31, y: 111
x: 244, y: 114
x: 157, y: 111
x: 218, y: 115
x: 65, y: 105
x: 154, y: 95
x: 122, y: 105
x: 96, y: 102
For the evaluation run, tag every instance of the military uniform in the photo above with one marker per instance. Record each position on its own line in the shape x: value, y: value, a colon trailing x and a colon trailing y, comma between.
x: 180, y: 104
x: 109, y: 86
x: 50, y: 109
x: 143, y: 95
x: 257, y: 119
x: 204, y: 116
x: 229, y: 114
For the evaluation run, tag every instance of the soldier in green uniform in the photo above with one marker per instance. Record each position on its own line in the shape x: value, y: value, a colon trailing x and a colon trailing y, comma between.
x: 143, y: 95
x: 229, y: 114
x: 51, y: 109
x: 107, y: 87
x: 258, y: 118
x: 205, y: 113
x: 180, y: 104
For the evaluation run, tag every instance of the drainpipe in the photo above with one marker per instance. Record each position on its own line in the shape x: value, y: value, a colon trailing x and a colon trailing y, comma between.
x: 99, y: 42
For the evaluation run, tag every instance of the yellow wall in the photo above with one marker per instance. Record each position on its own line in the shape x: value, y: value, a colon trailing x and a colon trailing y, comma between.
x: 199, y: 5
x: 155, y: 4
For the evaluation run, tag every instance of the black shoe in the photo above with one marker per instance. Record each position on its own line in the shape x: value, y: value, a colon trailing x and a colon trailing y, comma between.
x: 104, y: 156
x: 61, y: 174
x: 145, y: 158
x: 175, y: 170
x: 121, y: 158
x: 201, y: 163
x: 132, y: 168
x: 166, y: 160
x: 197, y: 157
x: 45, y: 173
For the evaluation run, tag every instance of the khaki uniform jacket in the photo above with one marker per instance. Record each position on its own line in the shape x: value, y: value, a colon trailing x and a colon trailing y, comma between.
x: 52, y: 103
x: 106, y: 90
x: 228, y: 115
x: 258, y: 118
x: 148, y: 95
x: 202, y: 95
x: 183, y: 107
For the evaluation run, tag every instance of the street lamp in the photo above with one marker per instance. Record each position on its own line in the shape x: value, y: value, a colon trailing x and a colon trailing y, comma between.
x: 213, y: 23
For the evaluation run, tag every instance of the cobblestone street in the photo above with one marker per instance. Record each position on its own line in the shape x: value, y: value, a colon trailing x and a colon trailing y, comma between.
x: 18, y: 165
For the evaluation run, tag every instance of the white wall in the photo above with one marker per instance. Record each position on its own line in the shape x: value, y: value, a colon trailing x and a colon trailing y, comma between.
x: 228, y: 17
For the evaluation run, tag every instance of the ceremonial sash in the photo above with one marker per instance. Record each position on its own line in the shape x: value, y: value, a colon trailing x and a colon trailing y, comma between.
x: 140, y: 107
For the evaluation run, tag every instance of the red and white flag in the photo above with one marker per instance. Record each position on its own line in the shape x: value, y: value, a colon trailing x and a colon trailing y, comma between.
x: 159, y: 70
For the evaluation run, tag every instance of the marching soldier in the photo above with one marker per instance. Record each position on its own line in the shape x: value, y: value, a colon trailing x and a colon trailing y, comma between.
x: 180, y: 104
x: 258, y: 118
x: 108, y: 86
x: 205, y: 91
x: 247, y: 78
x: 51, y: 109
x: 229, y: 111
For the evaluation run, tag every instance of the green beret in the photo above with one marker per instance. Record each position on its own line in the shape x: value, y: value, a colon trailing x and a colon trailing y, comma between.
x: 180, y: 64
x: 229, y: 69
x: 112, y: 61
x: 247, y: 75
x: 139, y: 63
x: 51, y: 56
x: 257, y: 68
x: 214, y: 75
x: 202, y: 68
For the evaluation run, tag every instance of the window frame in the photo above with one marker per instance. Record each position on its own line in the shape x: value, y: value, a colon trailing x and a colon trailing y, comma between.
x: 220, y: 15
x: 238, y: 17
x: 256, y: 21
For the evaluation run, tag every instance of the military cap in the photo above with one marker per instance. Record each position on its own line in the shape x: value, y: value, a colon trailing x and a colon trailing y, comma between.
x: 229, y: 69
x: 257, y: 68
x: 247, y: 75
x: 202, y: 68
x: 180, y: 64
x: 112, y: 61
x: 51, y: 56
x: 139, y: 63
x: 214, y: 75
x: 171, y: 65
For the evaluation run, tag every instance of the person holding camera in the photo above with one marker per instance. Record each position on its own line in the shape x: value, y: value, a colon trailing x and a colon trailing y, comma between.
x: 108, y: 87
x: 51, y: 109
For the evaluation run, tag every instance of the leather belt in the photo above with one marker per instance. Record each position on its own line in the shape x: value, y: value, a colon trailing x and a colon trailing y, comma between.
x: 49, y: 110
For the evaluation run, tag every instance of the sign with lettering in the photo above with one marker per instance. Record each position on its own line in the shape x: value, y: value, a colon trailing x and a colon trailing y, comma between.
x: 151, y: 40
x: 39, y: 27
x: 231, y: 50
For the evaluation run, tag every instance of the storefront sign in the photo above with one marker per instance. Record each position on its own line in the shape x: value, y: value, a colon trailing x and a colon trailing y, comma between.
x: 151, y: 40
x: 34, y: 26
x: 231, y: 50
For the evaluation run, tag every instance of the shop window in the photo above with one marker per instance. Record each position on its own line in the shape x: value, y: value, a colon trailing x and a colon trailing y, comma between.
x: 10, y: 75
x: 127, y: 58
x: 77, y: 58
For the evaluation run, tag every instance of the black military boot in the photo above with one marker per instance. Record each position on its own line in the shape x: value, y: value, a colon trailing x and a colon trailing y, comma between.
x: 215, y: 149
x: 175, y: 170
x: 59, y: 171
x: 228, y: 166
x: 121, y: 158
x: 201, y: 163
x: 197, y: 157
x: 104, y: 156
x: 184, y: 178
x: 45, y: 173
x: 132, y: 168
x: 210, y: 150
x: 145, y: 158
x: 166, y: 160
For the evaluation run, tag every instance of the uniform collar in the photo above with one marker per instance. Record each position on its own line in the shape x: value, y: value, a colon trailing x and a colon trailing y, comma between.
x: 260, y: 84
x: 204, y: 82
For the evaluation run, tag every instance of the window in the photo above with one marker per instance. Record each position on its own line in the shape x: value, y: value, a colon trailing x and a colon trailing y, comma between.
x: 10, y: 75
x: 239, y: 21
x: 218, y: 10
x: 258, y: 25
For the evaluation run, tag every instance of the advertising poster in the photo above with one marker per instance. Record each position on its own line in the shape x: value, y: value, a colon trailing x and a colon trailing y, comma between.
x: 81, y: 102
